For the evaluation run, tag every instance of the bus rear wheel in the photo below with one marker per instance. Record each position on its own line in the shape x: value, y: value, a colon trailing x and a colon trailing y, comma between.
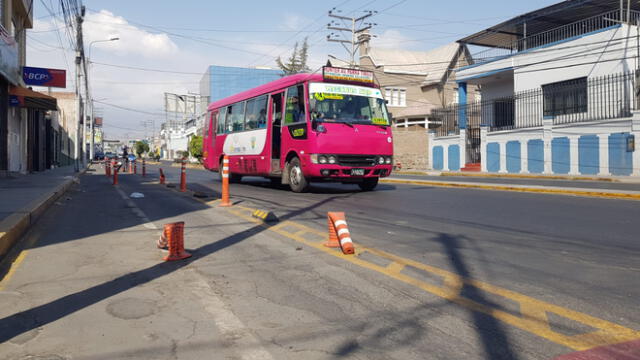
x: 368, y: 184
x: 297, y: 181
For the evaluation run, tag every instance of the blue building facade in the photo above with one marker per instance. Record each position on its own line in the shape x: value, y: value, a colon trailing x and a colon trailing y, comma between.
x: 219, y: 82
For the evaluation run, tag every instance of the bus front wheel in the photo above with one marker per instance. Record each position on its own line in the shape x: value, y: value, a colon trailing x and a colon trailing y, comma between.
x: 297, y: 181
x: 368, y: 184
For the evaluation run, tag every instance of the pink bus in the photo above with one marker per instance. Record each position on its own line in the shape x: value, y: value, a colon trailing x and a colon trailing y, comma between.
x: 304, y: 128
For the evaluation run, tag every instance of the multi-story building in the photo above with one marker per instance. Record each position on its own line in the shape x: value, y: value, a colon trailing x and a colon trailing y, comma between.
x: 218, y: 82
x: 558, y: 89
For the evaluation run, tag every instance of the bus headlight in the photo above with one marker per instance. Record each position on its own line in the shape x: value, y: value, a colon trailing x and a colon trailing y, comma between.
x: 380, y: 160
x: 332, y: 159
x: 388, y: 160
x: 322, y: 159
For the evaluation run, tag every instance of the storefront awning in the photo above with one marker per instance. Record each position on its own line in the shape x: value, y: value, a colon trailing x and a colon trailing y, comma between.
x: 27, y: 98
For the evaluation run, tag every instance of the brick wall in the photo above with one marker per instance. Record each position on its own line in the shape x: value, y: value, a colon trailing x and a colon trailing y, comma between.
x: 410, y: 147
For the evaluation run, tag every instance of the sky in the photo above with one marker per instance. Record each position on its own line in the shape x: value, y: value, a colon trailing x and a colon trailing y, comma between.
x: 166, y: 46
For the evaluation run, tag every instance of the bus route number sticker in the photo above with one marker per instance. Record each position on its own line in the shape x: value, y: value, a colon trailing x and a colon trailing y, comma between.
x: 298, y: 132
x: 379, y: 121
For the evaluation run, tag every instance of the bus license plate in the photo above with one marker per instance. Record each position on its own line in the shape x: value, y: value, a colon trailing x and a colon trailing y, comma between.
x: 357, y: 172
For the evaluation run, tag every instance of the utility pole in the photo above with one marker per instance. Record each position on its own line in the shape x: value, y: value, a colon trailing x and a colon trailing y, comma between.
x: 79, y: 152
x: 352, y: 27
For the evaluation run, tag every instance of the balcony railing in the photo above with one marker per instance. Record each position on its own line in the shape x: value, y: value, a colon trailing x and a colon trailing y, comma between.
x: 564, y: 32
x: 578, y: 100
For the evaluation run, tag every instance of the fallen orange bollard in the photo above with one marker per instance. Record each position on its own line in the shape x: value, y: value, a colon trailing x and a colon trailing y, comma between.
x: 339, y: 235
x: 175, y: 240
x: 225, y: 182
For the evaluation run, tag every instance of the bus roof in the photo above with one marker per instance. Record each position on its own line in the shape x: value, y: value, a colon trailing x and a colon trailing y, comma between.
x: 267, y: 88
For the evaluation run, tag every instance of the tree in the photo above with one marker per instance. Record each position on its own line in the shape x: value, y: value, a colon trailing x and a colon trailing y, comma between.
x: 195, y: 147
x: 297, y: 62
x: 141, y: 147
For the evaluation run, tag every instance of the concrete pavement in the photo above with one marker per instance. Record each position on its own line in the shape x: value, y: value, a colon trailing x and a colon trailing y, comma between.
x: 26, y: 197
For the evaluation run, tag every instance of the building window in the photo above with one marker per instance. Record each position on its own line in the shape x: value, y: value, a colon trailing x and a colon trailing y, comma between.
x: 396, y: 96
x: 565, y: 97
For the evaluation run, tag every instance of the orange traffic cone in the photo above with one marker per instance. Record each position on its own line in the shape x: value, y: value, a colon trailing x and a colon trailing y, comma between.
x: 339, y: 233
x: 175, y: 239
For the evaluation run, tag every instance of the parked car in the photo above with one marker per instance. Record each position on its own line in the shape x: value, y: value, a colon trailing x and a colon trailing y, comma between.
x: 109, y: 155
x: 131, y: 157
x: 99, y: 155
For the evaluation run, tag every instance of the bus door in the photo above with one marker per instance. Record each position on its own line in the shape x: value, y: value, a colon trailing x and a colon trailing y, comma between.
x: 276, y: 126
x: 208, y: 140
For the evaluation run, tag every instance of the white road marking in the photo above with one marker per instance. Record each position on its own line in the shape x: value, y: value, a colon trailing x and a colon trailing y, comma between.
x: 229, y: 324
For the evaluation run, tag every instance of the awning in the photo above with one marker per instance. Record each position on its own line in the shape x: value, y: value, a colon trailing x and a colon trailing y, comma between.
x: 551, y: 17
x: 27, y: 98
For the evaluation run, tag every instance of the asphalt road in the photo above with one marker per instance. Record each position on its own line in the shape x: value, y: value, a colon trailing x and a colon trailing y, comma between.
x: 447, y: 273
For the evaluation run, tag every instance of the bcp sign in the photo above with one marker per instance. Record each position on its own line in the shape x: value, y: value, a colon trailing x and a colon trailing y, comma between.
x: 44, y: 77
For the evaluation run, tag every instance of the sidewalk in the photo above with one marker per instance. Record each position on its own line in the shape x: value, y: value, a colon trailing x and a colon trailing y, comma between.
x: 609, y: 187
x: 25, y: 197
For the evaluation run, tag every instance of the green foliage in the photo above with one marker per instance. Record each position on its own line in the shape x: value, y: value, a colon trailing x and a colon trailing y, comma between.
x: 141, y: 147
x: 297, y: 62
x: 195, y: 147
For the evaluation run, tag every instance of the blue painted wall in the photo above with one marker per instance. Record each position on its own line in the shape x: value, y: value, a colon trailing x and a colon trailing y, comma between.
x: 514, y: 157
x: 588, y: 155
x: 454, y: 157
x: 493, y: 157
x: 535, y: 156
x: 438, y: 158
x: 560, y: 157
x: 620, y: 161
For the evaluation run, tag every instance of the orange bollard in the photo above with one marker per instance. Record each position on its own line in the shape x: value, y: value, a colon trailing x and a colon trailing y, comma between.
x: 135, y: 167
x: 183, y: 177
x: 339, y: 233
x: 144, y: 168
x: 107, y: 168
x: 161, y: 177
x: 175, y: 240
x: 115, y: 176
x: 225, y: 182
x: 130, y: 167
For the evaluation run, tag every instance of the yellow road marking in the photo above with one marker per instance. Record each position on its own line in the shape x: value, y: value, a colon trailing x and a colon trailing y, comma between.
x: 533, y: 313
x: 520, y: 176
x: 612, y: 195
x: 12, y: 269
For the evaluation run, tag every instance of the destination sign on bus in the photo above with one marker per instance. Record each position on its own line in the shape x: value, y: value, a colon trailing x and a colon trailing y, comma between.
x: 344, y: 74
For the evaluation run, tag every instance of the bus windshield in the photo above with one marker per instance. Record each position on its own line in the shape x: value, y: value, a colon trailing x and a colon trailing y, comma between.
x: 347, y: 104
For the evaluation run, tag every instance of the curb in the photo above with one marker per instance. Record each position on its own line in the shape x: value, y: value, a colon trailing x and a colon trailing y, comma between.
x: 553, y: 191
x: 13, y: 227
x: 188, y: 166
x: 525, y: 176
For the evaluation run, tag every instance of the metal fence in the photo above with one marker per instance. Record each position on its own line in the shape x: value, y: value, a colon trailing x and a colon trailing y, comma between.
x: 560, y: 33
x: 578, y: 100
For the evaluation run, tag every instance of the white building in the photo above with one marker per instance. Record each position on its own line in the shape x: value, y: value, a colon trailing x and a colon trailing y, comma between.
x: 557, y: 88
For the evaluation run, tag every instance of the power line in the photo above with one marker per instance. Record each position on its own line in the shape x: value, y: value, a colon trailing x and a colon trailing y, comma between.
x: 146, y: 69
x: 128, y: 108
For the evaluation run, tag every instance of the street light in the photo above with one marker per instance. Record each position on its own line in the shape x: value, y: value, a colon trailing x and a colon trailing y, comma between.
x: 92, y: 145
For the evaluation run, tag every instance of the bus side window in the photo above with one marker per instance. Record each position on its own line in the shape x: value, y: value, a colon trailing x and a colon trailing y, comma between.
x: 228, y: 128
x: 236, y: 112
x: 295, y: 112
x: 208, y: 123
x: 222, y: 113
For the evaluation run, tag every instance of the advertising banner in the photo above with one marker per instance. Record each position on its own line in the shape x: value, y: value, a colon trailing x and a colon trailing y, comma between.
x: 349, y: 75
x: 44, y: 77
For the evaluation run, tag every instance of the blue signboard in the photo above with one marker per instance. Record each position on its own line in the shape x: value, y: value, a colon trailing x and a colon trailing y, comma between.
x: 44, y: 77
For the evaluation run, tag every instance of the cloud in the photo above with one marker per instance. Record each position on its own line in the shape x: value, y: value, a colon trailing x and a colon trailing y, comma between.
x: 392, y: 39
x: 134, y: 40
